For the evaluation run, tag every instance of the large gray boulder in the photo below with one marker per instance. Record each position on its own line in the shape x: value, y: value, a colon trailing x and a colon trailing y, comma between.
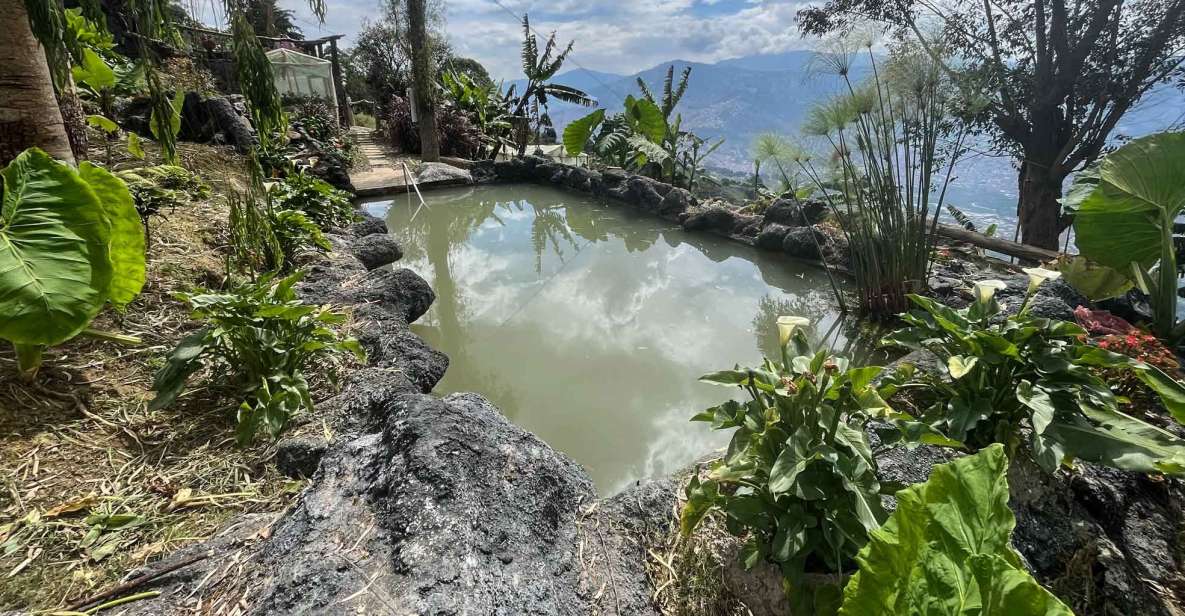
x: 788, y: 212
x: 449, y: 509
x: 804, y: 243
x: 432, y: 175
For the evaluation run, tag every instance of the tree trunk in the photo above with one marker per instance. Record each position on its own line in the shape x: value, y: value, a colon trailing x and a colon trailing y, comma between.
x: 421, y: 68
x: 29, y: 113
x: 1039, y: 209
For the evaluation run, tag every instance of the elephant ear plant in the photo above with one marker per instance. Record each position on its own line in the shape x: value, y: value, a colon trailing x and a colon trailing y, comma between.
x: 1034, y: 385
x: 798, y: 478
x: 70, y: 241
x: 1124, y: 210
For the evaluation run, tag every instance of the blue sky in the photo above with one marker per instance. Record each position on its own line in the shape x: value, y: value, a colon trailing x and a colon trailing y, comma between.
x: 619, y: 36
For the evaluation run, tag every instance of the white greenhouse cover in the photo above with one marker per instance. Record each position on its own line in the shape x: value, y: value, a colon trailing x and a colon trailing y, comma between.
x: 303, y: 75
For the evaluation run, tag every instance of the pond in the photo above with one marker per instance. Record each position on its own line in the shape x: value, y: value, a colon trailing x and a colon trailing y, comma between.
x: 588, y: 324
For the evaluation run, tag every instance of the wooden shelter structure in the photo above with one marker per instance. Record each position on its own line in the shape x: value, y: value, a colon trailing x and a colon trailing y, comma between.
x: 215, y: 46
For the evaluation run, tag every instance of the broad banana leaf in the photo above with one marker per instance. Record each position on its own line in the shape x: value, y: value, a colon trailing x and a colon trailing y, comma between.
x: 1096, y: 282
x: 645, y: 118
x: 125, y: 247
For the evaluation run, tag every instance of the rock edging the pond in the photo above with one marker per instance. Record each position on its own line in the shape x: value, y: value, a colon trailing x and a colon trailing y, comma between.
x: 420, y: 505
x: 770, y: 230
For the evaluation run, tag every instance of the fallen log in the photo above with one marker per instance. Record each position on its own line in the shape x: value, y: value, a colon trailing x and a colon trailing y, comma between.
x: 997, y: 244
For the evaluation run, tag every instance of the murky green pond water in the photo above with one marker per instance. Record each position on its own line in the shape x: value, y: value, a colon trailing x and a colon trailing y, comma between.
x: 588, y: 324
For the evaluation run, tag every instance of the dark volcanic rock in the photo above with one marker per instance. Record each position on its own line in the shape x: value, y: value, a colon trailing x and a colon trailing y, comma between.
x: 675, y: 202
x: 771, y: 237
x: 399, y: 291
x: 450, y: 509
x: 787, y: 212
x: 713, y: 218
x: 299, y: 456
x: 646, y: 193
x: 799, y: 242
x: 1055, y: 299
x: 368, y: 225
x: 376, y: 250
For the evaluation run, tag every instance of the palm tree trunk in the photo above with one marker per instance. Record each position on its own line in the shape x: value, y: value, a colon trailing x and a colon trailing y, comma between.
x: 422, y: 74
x: 29, y: 114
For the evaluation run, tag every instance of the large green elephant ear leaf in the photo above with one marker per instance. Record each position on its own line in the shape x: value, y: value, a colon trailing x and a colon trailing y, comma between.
x: 126, y: 244
x: 1138, y: 187
x: 646, y: 118
x: 577, y: 132
x: 54, y: 269
x: 945, y: 550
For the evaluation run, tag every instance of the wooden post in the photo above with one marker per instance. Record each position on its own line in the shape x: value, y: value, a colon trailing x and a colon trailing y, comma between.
x: 343, y: 102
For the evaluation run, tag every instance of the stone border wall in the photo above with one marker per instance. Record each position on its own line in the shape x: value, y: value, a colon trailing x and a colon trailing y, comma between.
x: 784, y: 226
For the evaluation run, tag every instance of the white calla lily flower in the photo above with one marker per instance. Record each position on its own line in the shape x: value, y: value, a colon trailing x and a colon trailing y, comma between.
x: 787, y: 325
x: 985, y: 290
x: 1039, y: 276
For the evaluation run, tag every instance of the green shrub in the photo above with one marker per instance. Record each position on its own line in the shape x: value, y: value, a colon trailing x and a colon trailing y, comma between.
x: 70, y: 241
x: 365, y: 120
x: 1032, y: 384
x: 265, y: 338
x: 323, y: 204
x: 798, y: 479
x: 314, y: 115
x: 155, y: 188
x: 264, y: 238
x: 296, y: 235
x: 254, y: 246
x: 893, y: 142
x: 947, y: 550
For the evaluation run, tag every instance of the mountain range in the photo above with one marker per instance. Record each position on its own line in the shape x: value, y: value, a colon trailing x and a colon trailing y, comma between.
x: 740, y: 98
x: 737, y: 99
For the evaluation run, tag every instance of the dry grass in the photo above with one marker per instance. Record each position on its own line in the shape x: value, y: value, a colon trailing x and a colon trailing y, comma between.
x: 688, y: 572
x: 80, y: 444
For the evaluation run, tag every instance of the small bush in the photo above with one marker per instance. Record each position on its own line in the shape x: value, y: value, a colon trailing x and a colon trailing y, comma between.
x: 458, y: 135
x: 265, y: 338
x: 798, y: 479
x: 315, y: 117
x: 163, y: 186
x: 1034, y: 385
x: 366, y: 120
x: 323, y: 204
x: 264, y: 238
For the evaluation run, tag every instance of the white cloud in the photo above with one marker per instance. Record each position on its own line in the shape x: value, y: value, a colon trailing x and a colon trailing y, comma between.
x: 619, y: 36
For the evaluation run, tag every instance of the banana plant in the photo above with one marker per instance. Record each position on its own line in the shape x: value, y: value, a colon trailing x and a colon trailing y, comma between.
x: 694, y: 155
x: 539, y: 68
x: 671, y: 95
x: 487, y: 105
x: 70, y: 241
x: 1124, y: 212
